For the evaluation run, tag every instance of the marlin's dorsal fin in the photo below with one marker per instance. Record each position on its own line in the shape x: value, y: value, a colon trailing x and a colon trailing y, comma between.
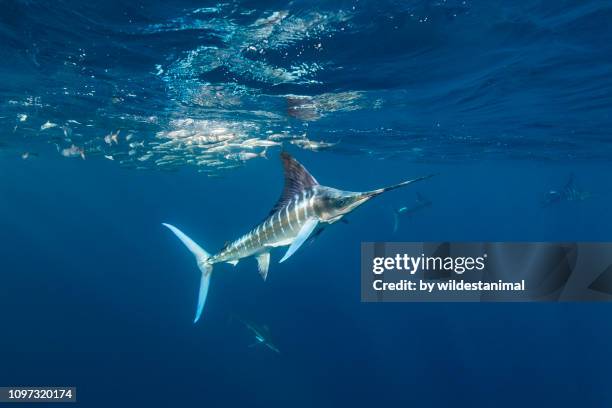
x: 297, y: 179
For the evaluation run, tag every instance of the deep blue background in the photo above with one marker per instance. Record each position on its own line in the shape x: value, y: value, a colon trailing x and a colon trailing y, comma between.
x: 97, y: 294
x: 504, y: 99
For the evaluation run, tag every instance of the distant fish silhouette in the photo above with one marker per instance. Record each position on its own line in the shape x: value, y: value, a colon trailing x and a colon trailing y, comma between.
x: 569, y: 192
x: 261, y: 334
x: 302, y: 107
x: 27, y: 155
x: 420, y: 204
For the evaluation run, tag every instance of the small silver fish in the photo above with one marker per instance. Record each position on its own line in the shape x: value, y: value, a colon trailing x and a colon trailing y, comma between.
x: 312, y: 145
x: 73, y: 151
x: 112, y: 138
x: 48, y: 125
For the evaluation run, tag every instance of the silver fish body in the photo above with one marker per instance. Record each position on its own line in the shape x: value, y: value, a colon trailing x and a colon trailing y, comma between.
x: 302, y: 206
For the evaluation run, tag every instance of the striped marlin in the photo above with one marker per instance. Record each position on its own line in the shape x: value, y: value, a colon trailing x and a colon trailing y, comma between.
x: 569, y: 192
x: 261, y: 334
x: 303, y: 204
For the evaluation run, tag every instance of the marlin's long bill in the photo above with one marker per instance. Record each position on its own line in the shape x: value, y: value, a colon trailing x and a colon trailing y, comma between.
x: 303, y: 205
x: 376, y: 192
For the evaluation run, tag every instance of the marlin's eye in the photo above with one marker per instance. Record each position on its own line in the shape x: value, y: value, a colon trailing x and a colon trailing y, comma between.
x: 332, y: 200
x: 342, y: 202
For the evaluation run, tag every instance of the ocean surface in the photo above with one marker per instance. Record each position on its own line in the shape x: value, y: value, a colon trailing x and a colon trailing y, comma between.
x: 117, y: 116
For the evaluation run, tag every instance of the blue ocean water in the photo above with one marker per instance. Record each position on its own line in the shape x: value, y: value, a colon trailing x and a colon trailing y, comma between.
x: 118, y: 116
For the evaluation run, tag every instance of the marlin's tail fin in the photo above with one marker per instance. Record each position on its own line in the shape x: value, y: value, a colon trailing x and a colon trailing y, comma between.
x: 201, y: 259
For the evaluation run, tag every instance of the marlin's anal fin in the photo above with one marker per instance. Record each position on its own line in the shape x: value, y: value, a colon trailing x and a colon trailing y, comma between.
x: 305, y: 231
x: 233, y: 263
x: 263, y: 262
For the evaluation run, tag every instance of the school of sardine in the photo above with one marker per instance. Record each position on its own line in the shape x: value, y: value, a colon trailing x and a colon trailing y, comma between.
x: 214, y: 126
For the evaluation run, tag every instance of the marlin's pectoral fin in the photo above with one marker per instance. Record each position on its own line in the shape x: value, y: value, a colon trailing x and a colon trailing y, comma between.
x: 263, y: 262
x: 305, y: 231
x: 313, y: 237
